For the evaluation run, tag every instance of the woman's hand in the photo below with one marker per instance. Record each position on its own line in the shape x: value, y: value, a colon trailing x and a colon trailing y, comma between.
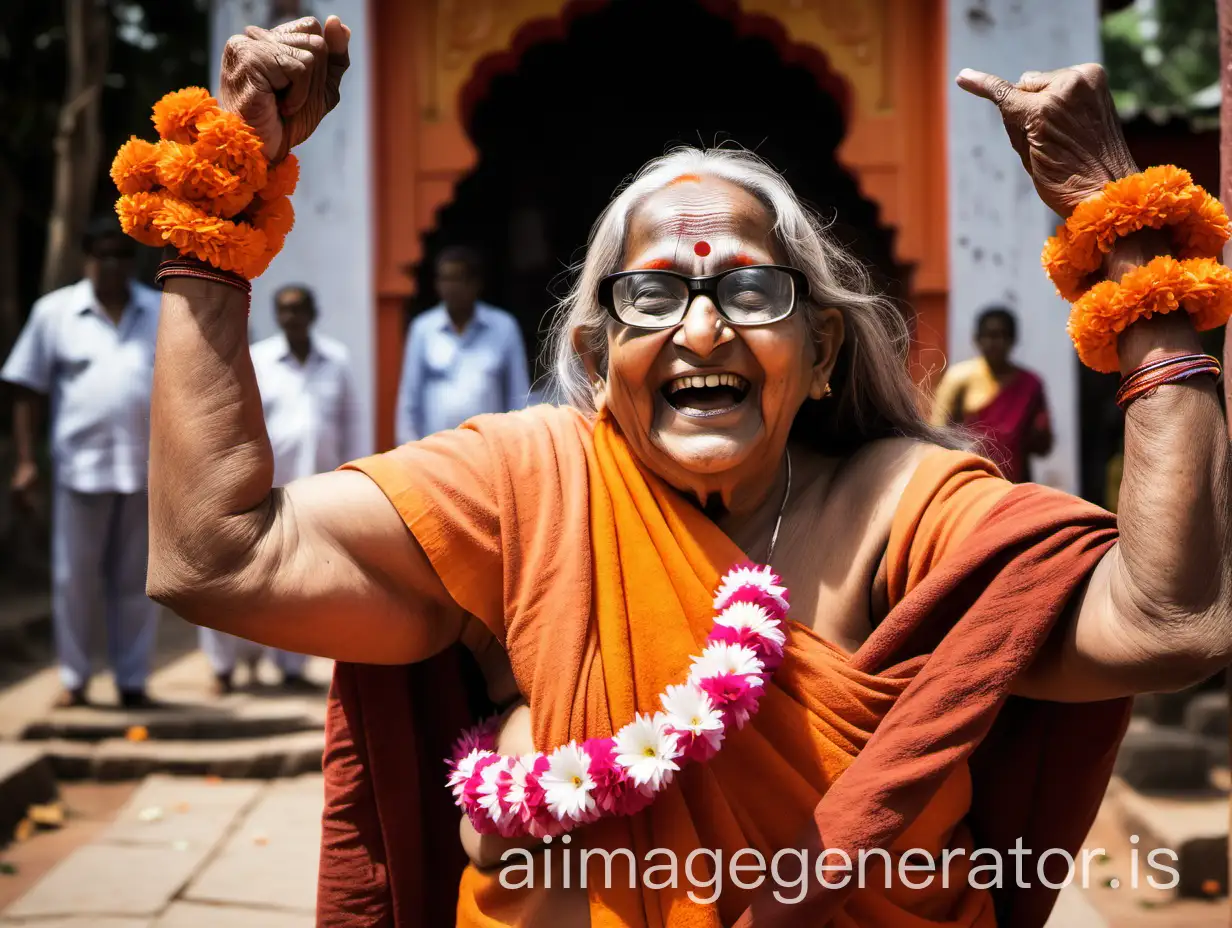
x: 284, y: 80
x: 1064, y: 127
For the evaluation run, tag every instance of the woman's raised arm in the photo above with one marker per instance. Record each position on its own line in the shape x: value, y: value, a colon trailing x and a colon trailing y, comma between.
x: 1157, y: 612
x: 326, y: 565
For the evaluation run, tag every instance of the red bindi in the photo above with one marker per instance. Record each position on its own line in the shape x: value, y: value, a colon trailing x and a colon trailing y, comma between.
x: 701, y: 249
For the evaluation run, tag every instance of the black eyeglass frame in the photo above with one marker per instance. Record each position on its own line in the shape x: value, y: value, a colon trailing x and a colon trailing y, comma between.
x: 707, y: 285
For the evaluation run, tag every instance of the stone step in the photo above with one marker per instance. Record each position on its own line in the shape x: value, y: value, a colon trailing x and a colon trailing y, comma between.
x: 1207, y: 715
x: 252, y: 758
x: 235, y: 716
x: 26, y: 778
x: 1159, y: 758
x: 1195, y: 829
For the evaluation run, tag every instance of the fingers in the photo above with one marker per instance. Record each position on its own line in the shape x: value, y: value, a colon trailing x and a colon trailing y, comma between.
x: 337, y: 40
x: 308, y: 25
x: 1033, y: 81
x: 990, y: 87
x: 308, y: 79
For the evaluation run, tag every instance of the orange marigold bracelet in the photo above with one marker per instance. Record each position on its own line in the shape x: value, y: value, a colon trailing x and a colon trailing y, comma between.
x: 206, y: 188
x: 1201, y: 286
x: 1163, y: 197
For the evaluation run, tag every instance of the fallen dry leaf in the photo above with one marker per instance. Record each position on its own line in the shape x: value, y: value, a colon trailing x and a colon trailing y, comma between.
x: 137, y: 733
x: 49, y: 815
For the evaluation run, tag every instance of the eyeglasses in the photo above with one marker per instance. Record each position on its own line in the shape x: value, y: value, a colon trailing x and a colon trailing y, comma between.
x: 755, y: 295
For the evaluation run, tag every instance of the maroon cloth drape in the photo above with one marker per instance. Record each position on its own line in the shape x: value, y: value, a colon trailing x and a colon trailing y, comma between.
x: 391, y: 854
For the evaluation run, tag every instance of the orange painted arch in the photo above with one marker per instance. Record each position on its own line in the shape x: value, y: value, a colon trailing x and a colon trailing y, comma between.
x: 435, y: 59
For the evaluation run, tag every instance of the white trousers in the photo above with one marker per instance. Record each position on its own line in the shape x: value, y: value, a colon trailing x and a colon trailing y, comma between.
x: 225, y: 651
x: 98, y: 553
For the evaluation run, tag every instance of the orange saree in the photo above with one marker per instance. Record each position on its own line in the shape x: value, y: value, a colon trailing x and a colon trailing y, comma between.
x: 597, y: 580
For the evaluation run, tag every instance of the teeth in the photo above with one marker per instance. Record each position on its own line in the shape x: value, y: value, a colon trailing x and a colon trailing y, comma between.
x: 708, y: 380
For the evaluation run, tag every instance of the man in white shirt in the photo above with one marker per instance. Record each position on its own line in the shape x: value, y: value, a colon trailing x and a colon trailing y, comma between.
x: 308, y: 394
x: 463, y: 357
x: 89, y: 347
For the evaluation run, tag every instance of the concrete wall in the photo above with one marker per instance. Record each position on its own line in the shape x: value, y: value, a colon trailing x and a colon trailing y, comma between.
x: 330, y: 248
x: 997, y: 224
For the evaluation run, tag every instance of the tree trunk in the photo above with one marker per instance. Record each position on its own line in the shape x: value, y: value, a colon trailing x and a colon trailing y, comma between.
x: 78, y: 142
x: 1225, y: 195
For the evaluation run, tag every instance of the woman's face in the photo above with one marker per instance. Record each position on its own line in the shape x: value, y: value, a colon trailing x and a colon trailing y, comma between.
x: 726, y: 438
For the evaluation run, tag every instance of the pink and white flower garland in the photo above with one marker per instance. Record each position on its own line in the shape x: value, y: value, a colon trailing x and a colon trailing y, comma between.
x: 548, y: 794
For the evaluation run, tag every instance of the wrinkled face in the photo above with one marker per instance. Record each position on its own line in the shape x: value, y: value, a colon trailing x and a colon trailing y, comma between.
x: 708, y: 405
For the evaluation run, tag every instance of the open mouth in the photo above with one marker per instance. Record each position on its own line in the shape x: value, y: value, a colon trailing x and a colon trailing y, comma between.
x: 706, y: 394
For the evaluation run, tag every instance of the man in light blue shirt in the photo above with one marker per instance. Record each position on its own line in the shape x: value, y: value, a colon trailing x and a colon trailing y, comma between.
x: 463, y: 357
x: 89, y: 347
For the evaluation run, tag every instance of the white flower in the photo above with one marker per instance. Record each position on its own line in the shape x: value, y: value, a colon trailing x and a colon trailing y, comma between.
x: 647, y: 751
x: 753, y: 617
x: 721, y: 658
x: 462, y: 772
x: 518, y: 771
x: 761, y: 577
x: 689, y: 709
x: 489, y: 789
x: 567, y: 783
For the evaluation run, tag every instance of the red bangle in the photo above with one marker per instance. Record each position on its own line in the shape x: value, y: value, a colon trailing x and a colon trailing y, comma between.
x: 181, y: 266
x: 1148, y: 378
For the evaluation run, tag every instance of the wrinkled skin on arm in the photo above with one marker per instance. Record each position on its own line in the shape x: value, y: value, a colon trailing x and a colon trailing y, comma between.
x: 324, y: 566
x: 1157, y: 611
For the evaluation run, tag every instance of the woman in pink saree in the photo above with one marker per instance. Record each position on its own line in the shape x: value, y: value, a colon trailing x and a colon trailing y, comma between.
x: 1000, y: 402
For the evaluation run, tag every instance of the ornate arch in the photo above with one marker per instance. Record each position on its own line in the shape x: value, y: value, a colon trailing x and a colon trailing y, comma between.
x: 882, y: 60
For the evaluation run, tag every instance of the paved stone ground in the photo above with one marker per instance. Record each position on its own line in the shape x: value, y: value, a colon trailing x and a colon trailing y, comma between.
x: 188, y: 853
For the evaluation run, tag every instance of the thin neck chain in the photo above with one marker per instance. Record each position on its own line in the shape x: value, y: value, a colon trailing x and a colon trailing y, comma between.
x: 783, y: 505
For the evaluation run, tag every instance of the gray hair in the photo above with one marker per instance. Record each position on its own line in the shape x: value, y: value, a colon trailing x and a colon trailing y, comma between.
x: 873, y: 393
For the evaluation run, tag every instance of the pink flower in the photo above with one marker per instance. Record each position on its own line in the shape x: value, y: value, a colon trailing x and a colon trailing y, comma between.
x: 768, y: 651
x: 493, y: 790
x: 732, y: 694
x: 481, y: 736
x: 463, y: 769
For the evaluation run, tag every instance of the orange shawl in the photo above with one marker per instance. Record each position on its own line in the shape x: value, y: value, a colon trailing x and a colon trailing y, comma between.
x: 597, y: 579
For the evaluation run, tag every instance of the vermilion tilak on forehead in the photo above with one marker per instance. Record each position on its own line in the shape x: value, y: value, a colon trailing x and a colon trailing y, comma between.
x: 657, y: 264
x: 684, y: 179
x: 701, y: 249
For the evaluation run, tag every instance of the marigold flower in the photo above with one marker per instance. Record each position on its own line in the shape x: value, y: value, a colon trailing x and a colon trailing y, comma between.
x: 135, y: 167
x: 1202, y: 286
x: 1162, y: 197
x: 225, y: 139
x: 176, y: 115
x: 137, y: 212
x: 281, y: 179
x: 275, y: 218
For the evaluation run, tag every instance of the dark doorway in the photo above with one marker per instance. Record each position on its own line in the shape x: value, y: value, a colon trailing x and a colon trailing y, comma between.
x: 629, y: 82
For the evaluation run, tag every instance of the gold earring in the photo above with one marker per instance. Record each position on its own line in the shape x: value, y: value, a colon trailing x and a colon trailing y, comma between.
x: 827, y: 392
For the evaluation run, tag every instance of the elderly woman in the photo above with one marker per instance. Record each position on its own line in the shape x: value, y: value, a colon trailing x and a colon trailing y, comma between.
x: 955, y: 666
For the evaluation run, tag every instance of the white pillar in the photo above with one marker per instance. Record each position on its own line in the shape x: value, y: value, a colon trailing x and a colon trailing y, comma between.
x: 330, y: 249
x: 997, y: 225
